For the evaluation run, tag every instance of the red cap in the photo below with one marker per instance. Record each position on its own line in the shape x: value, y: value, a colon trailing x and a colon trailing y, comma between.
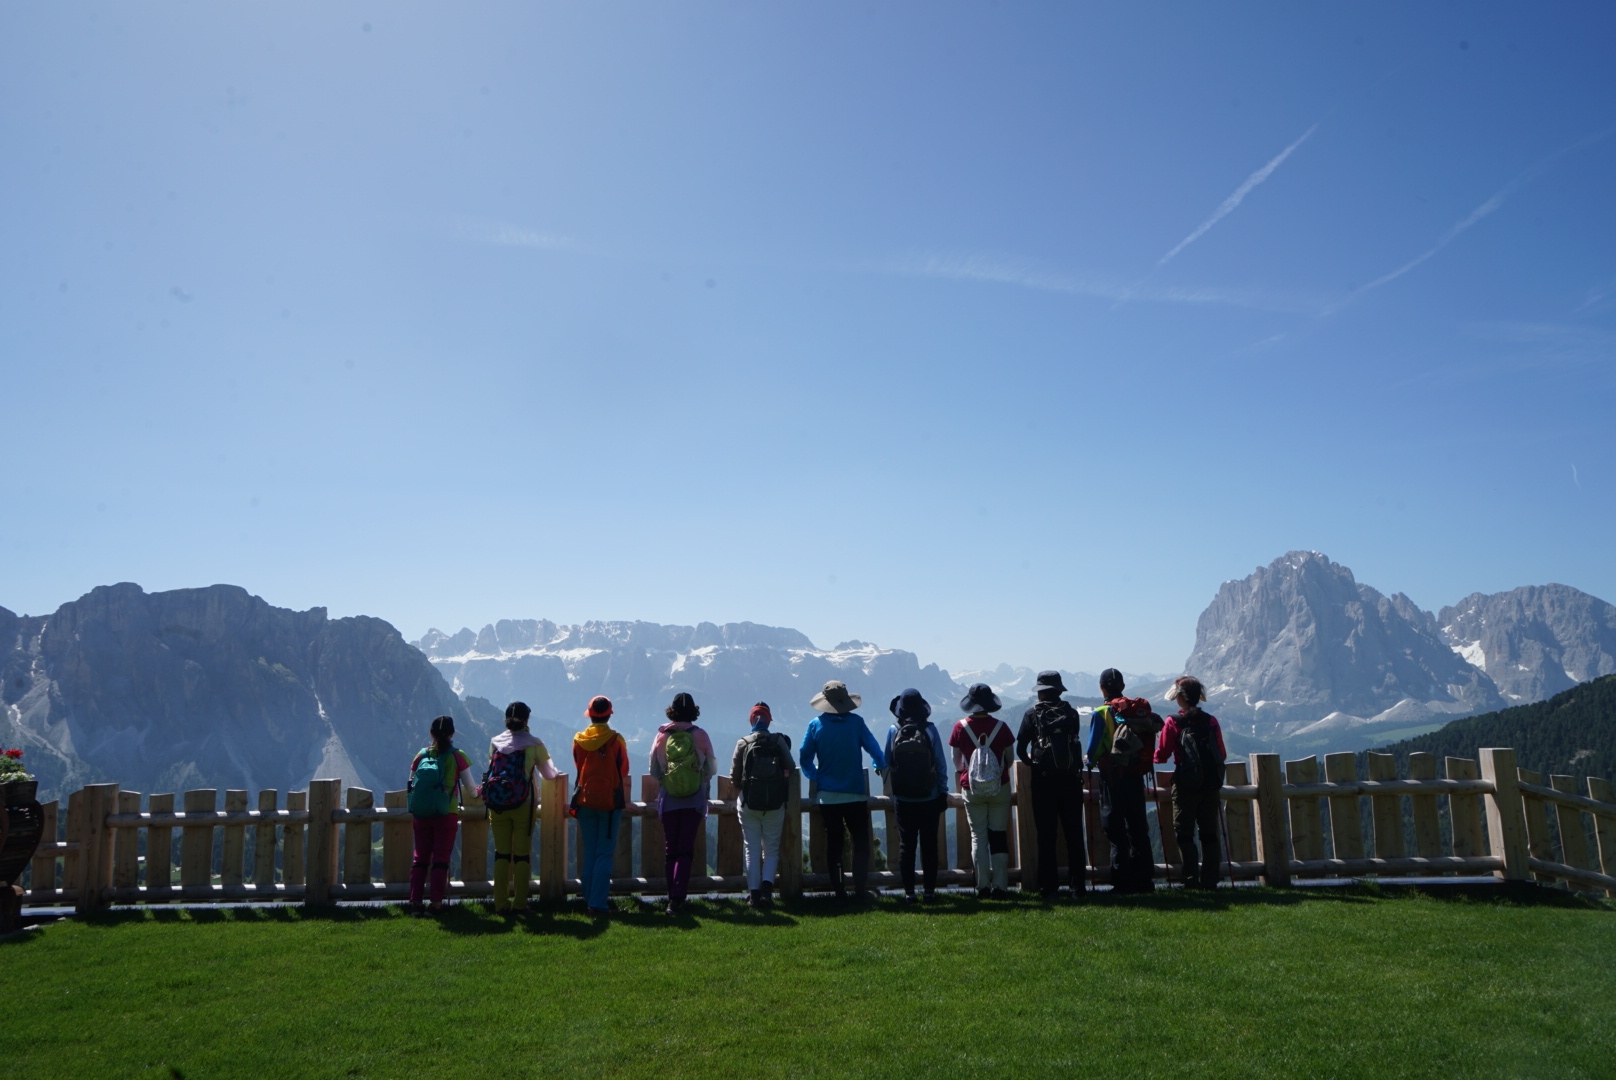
x: 600, y: 707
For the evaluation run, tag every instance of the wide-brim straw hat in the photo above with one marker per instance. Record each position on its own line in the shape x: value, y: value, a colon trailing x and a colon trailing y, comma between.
x: 834, y: 698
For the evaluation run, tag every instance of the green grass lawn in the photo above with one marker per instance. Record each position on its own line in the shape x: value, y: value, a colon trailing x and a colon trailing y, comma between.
x: 1250, y: 983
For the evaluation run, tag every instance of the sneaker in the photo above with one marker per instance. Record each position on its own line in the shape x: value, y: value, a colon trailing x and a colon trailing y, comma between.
x: 754, y: 899
x: 909, y: 898
x: 673, y: 908
x: 417, y: 911
x: 768, y: 893
x: 930, y: 896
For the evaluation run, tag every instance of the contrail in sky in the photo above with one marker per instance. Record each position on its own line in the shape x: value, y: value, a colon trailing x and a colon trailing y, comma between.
x: 1487, y: 208
x: 1228, y: 205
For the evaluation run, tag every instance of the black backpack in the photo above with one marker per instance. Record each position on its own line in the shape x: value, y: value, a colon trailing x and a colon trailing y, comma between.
x: 913, y: 765
x: 1055, y: 736
x: 764, y: 769
x: 1200, y: 765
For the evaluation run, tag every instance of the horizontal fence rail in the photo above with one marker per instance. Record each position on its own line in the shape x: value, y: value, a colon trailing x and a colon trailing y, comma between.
x: 1281, y: 821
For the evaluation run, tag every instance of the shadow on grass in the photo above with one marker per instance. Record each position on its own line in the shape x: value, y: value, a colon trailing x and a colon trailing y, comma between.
x: 569, y: 919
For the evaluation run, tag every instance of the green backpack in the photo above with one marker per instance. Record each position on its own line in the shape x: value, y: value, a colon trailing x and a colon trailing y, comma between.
x: 683, y: 777
x: 432, y: 784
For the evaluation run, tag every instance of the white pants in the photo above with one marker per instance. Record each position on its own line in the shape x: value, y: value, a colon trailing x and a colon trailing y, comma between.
x: 761, y: 831
x: 989, y: 814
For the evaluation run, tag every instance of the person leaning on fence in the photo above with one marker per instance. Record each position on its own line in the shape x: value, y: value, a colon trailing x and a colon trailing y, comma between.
x: 601, y: 757
x: 509, y: 793
x: 919, y: 774
x: 983, y: 748
x: 682, y: 763
x: 760, y: 773
x: 831, y: 757
x: 1193, y: 739
x: 1051, y: 743
x: 436, y: 773
x: 1122, y: 733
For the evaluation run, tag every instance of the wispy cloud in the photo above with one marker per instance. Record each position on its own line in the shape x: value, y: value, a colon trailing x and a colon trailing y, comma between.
x: 1027, y: 274
x: 1487, y: 209
x: 505, y: 234
x: 1228, y: 206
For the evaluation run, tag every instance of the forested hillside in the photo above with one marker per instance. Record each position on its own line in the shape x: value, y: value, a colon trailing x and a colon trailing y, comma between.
x: 1572, y: 732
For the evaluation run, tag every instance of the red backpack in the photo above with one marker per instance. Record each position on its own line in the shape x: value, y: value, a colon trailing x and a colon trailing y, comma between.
x: 600, y: 779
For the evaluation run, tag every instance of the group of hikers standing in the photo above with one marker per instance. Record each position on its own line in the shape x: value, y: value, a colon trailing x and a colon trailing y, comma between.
x: 1126, y: 740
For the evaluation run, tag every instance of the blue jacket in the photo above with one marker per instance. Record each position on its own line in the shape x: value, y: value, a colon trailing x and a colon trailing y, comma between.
x: 830, y: 752
x: 937, y: 753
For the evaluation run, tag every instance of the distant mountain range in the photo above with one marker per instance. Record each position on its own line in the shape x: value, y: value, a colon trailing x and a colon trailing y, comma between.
x: 1301, y: 653
x: 215, y: 687
x: 641, y: 666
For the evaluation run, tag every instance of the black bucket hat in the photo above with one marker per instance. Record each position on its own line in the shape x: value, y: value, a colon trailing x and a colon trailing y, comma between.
x: 910, y: 706
x: 1049, y: 680
x: 980, y: 698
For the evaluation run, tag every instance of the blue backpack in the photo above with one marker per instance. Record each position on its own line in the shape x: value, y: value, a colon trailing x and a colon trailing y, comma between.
x: 505, y: 783
x: 432, y: 784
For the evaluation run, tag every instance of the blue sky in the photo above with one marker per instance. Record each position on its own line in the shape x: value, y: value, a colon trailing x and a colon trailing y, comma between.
x: 878, y: 321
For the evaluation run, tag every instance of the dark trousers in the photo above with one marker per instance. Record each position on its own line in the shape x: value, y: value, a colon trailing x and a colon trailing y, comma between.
x: 679, y: 828
x: 917, y: 826
x: 1122, y: 816
x: 855, y: 817
x: 1057, y: 800
x: 1198, y: 811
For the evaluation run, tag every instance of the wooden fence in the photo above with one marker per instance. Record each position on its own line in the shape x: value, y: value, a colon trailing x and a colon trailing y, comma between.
x: 320, y: 846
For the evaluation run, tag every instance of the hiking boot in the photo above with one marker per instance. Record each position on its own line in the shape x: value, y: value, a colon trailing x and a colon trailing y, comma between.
x: 754, y: 899
x: 983, y: 894
x: 768, y: 894
x: 999, y: 894
x: 417, y: 911
x: 909, y: 898
x: 930, y: 896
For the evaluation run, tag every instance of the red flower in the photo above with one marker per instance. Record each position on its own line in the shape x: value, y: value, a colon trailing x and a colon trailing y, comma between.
x: 13, y: 753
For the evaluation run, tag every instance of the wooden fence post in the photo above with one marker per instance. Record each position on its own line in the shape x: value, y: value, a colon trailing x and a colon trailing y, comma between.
x: 1099, y: 845
x: 126, y: 859
x: 320, y: 847
x: 1427, y: 823
x: 791, y: 839
x: 44, y: 866
x: 196, y: 841
x: 232, y: 870
x: 1538, y: 842
x: 1506, y: 819
x: 476, y: 830
x: 1346, y: 826
x: 294, y: 857
x: 264, y: 843
x: 1026, y: 826
x: 160, y: 846
x: 1464, y: 811
x: 1273, y: 822
x: 1237, y: 816
x: 1604, y: 828
x: 553, y: 839
x: 1573, y: 841
x: 356, y: 840
x: 398, y: 844
x: 653, y: 848
x: 96, y: 840
x: 1386, y: 810
x: 73, y: 862
x: 1163, y: 782
x: 1307, y: 825
x: 731, y: 855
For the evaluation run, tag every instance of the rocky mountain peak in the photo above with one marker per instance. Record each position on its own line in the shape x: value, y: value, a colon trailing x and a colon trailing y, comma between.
x: 1301, y: 638
x: 1534, y: 641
